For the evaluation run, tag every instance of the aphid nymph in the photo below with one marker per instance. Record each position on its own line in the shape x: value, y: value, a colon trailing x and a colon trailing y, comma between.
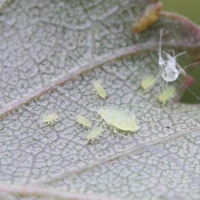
x: 148, y: 82
x: 50, y: 118
x: 94, y: 133
x: 99, y: 89
x: 83, y: 121
x: 119, y: 119
x: 166, y: 94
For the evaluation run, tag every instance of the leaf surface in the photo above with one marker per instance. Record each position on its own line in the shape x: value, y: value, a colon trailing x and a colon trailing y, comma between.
x: 51, y: 53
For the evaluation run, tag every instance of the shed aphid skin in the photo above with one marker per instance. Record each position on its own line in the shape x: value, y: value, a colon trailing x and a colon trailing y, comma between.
x: 148, y: 82
x: 170, y: 69
x: 119, y: 119
x: 149, y: 16
x: 94, y: 133
x: 83, y: 121
x: 99, y: 89
x: 50, y: 118
x: 166, y: 94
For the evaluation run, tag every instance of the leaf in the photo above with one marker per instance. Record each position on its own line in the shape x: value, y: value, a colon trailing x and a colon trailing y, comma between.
x: 51, y: 53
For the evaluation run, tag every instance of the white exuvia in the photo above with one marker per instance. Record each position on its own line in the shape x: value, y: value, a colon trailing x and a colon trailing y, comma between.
x: 169, y: 68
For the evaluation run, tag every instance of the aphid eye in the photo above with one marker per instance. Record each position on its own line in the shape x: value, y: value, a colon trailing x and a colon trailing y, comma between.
x: 148, y: 82
x: 149, y: 16
x: 83, y: 121
x: 50, y: 118
x: 99, y: 89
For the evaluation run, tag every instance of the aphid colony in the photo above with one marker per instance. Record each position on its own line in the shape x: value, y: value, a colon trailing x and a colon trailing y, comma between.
x: 169, y: 71
x: 118, y: 119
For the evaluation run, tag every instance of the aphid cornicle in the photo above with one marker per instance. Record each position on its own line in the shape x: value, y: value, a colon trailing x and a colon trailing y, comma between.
x: 99, y: 89
x: 119, y: 119
x: 83, y: 121
x: 148, y: 82
x: 166, y: 94
x: 94, y: 133
x: 50, y: 118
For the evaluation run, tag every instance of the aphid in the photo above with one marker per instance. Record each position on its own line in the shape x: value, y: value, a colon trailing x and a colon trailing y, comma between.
x: 50, y: 118
x: 94, y: 133
x: 170, y: 69
x: 99, y: 89
x: 119, y: 119
x: 166, y: 94
x: 149, y: 16
x: 148, y: 82
x: 83, y: 121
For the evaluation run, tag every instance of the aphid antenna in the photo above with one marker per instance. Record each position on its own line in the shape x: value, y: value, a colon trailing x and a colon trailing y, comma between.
x: 189, y: 89
x: 161, y: 61
x: 196, y: 63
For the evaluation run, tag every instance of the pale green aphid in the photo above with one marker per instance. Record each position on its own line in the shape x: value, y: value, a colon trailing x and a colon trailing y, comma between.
x: 94, y: 133
x: 119, y: 119
x: 99, y: 89
x: 148, y: 82
x: 50, y: 118
x: 83, y: 121
x: 166, y: 94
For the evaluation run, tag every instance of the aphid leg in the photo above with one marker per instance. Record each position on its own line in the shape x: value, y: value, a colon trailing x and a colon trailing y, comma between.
x: 105, y: 128
x: 196, y: 63
x: 189, y: 89
x: 121, y: 135
x: 180, y: 69
x: 184, y: 52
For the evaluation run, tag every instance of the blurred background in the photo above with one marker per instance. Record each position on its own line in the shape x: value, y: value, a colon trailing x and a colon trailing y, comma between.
x: 191, y: 10
x: 188, y: 8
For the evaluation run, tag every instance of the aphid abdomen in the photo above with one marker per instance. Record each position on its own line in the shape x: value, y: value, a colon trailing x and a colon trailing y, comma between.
x: 170, y: 74
x: 119, y: 119
x: 83, y: 121
x: 148, y: 82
